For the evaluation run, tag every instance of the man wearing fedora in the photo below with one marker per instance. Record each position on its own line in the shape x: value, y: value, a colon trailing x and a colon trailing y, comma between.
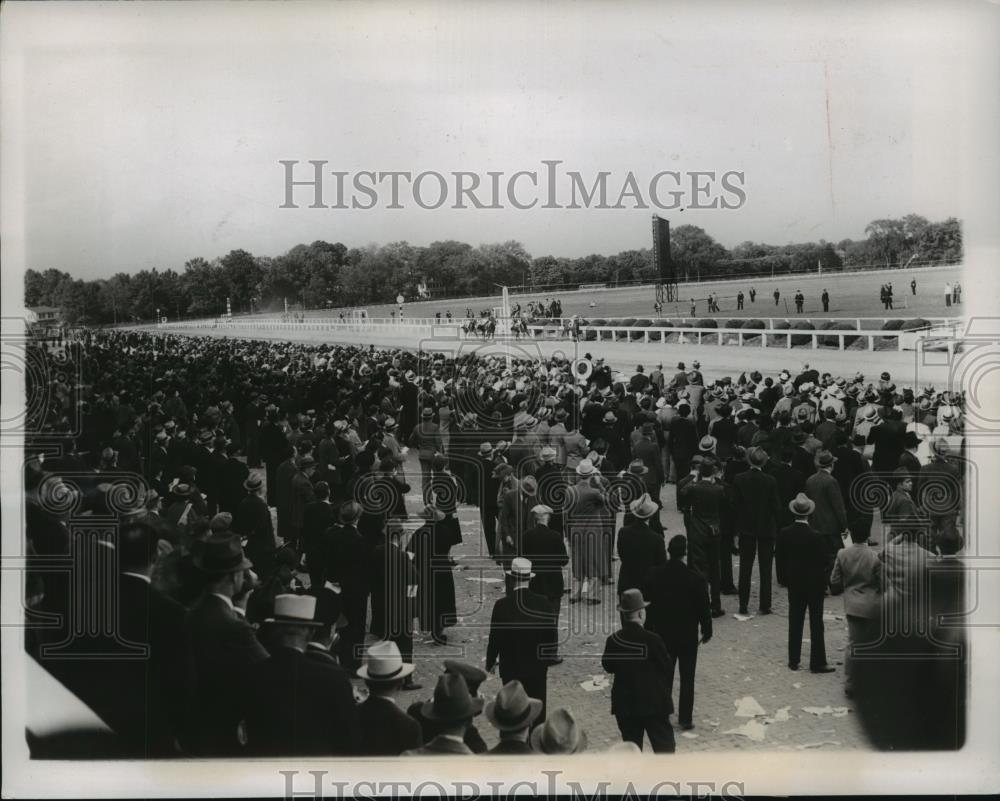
x: 523, y: 635
x: 394, y: 585
x: 385, y: 729
x: 551, y: 479
x: 829, y: 517
x: 349, y: 564
x: 640, y: 664
x: 678, y: 607
x: 801, y: 560
x: 297, y: 706
x: 482, y: 491
x: 253, y: 521
x: 301, y: 495
x: 514, y: 516
x: 431, y: 545
x: 704, y: 501
x: 223, y: 643
x: 512, y: 712
x: 317, y: 517
x: 683, y: 440
x: 473, y: 677
x: 452, y: 709
x: 546, y: 549
x: 426, y: 438
x: 758, y: 509
x: 639, y: 547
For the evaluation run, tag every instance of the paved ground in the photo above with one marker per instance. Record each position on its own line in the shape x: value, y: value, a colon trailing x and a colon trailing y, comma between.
x: 744, y: 662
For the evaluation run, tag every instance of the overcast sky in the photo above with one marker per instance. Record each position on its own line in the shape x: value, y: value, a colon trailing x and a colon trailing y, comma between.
x: 151, y: 135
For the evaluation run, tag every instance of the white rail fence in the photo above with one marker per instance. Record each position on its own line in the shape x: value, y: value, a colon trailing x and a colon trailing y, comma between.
x: 860, y: 338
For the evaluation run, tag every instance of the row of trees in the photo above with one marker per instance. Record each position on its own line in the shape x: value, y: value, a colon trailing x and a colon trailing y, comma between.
x: 322, y: 274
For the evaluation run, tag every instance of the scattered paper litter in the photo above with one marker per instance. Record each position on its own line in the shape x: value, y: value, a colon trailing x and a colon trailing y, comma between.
x: 797, y: 685
x: 781, y: 716
x: 689, y: 734
x: 743, y: 618
x: 484, y: 579
x: 595, y: 683
x: 752, y: 729
x: 819, y: 711
x: 747, y: 707
x: 710, y: 722
x: 746, y: 678
x: 820, y: 744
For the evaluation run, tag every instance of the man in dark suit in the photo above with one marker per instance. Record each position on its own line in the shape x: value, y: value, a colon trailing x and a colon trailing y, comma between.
x: 801, y: 561
x: 705, y: 500
x: 232, y: 474
x: 547, y: 552
x: 639, y: 547
x: 301, y: 494
x: 348, y: 567
x: 284, y: 474
x: 453, y: 710
x: 252, y: 520
x: 487, y: 486
x: 683, y: 439
x: 790, y: 481
x: 523, y: 634
x: 678, y: 606
x: 224, y: 644
x: 297, y: 706
x: 830, y: 515
x: 757, y: 510
x: 512, y: 712
x: 394, y: 585
x: 473, y: 677
x: 640, y: 695
x: 317, y: 517
x: 146, y: 700
x: 888, y: 439
x: 386, y: 730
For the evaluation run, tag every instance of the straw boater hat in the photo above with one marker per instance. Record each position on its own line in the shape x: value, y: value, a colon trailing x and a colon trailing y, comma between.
x: 253, y: 483
x: 384, y: 663
x: 548, y: 454
x: 520, y: 569
x: 529, y: 485
x: 512, y: 710
x: 294, y: 610
x: 485, y: 448
x: 541, y: 509
x: 707, y: 444
x: 586, y: 468
x: 801, y: 506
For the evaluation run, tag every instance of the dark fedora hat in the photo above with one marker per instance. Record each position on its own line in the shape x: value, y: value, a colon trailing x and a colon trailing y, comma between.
x: 632, y: 601
x: 220, y: 554
x: 451, y: 701
x: 512, y: 709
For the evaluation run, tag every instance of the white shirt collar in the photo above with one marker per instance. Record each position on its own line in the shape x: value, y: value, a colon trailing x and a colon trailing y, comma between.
x: 142, y: 576
x: 226, y: 598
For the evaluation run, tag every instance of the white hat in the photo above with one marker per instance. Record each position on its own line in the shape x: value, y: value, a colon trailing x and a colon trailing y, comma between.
x: 299, y: 610
x: 585, y: 468
x: 520, y: 568
x: 385, y: 663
